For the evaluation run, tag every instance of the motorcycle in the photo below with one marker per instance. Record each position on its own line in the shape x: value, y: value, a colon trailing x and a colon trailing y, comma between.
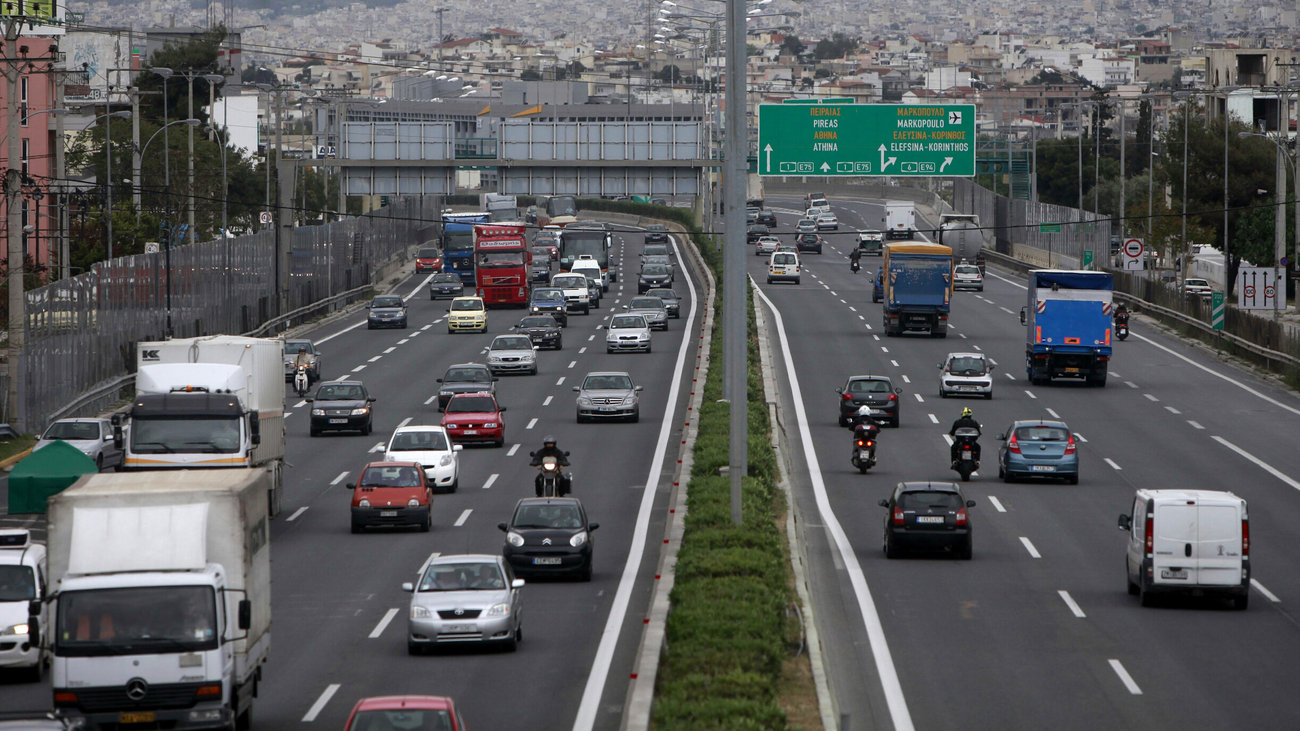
x: 966, y: 463
x: 552, y: 478
x: 300, y: 380
x: 864, y: 446
x: 1121, y: 328
x: 853, y: 264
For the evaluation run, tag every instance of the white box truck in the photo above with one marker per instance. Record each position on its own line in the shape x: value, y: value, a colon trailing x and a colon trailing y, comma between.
x: 900, y: 220
x: 160, y: 598
x: 500, y: 207
x: 214, y: 402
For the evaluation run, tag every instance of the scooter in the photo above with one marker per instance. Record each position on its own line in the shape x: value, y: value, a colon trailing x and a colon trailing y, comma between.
x: 552, y: 478
x: 1121, y: 329
x: 853, y: 264
x: 300, y: 381
x: 965, y: 464
x: 864, y: 446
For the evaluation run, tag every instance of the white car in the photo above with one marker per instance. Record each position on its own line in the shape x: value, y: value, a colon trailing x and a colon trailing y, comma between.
x: 627, y: 333
x: 806, y: 225
x: 22, y: 580
x: 587, y: 264
x: 828, y: 222
x: 783, y: 267
x: 967, y: 276
x: 1197, y: 287
x: 966, y: 374
x: 430, y: 447
x: 766, y: 245
x: 512, y: 354
x: 577, y: 293
x: 94, y: 437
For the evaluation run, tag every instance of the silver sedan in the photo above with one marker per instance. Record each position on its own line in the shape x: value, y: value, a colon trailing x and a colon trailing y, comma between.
x: 94, y: 437
x: 464, y: 598
x: 512, y: 354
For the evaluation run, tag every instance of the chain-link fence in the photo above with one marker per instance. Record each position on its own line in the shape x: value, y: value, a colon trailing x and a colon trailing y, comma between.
x: 82, y: 331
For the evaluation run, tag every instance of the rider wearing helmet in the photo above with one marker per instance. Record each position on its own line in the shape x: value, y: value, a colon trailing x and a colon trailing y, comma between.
x: 967, y: 419
x: 303, y: 358
x: 549, y: 449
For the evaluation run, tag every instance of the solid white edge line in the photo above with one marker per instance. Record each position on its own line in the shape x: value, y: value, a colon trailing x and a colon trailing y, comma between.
x: 600, y: 664
x: 997, y: 504
x: 319, y: 705
x: 1124, y: 677
x: 464, y: 516
x: 890, y: 685
x: 1029, y: 546
x: 1258, y: 462
x: 383, y: 623
x: 1260, y: 588
x: 1071, y: 603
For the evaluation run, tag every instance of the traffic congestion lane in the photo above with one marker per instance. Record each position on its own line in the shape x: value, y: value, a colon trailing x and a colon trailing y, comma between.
x: 560, y: 614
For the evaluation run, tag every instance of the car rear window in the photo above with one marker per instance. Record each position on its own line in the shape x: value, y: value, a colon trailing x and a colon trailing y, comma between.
x: 868, y: 387
x: 1041, y: 434
x: 476, y: 375
x: 470, y: 404
x: 646, y: 302
x: 420, y: 441
x: 446, y: 277
x: 921, y: 500
x: 966, y: 366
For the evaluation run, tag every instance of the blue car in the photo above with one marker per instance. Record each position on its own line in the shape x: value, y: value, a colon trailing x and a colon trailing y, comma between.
x: 878, y: 288
x: 1036, y: 448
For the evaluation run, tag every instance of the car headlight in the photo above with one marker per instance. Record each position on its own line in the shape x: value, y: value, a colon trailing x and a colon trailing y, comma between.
x: 490, y: 425
x: 420, y: 612
x: 578, y: 539
x: 629, y: 400
x: 584, y: 401
x: 498, y: 610
x: 318, y: 412
x: 361, y: 411
x: 15, y: 629
x: 445, y: 461
x: 514, y: 539
x: 363, y: 503
x: 493, y: 358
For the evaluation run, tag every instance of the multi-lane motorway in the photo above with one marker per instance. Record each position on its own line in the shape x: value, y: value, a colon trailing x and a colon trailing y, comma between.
x: 1037, y: 630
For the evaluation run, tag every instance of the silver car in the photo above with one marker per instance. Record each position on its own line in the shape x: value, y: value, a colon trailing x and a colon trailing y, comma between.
x: 512, y: 354
x: 652, y: 309
x: 608, y: 395
x: 766, y: 245
x: 966, y: 374
x: 94, y: 437
x: 627, y: 333
x: 806, y: 225
x: 464, y: 598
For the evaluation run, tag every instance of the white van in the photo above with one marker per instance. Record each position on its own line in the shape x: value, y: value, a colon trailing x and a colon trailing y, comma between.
x: 783, y: 266
x: 1190, y: 541
x: 587, y: 264
x: 22, y: 574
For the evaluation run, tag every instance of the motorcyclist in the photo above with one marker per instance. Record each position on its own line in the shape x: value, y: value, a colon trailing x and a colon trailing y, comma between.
x: 854, y: 257
x: 302, y: 359
x: 549, y: 449
x: 1121, y: 314
x: 967, y: 419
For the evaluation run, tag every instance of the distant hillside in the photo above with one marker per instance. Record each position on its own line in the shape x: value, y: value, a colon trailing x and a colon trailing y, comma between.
x: 299, y: 7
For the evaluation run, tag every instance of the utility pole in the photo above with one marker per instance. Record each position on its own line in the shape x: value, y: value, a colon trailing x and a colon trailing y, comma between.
x: 734, y: 277
x: 14, y: 224
x: 60, y: 174
x: 439, y: 13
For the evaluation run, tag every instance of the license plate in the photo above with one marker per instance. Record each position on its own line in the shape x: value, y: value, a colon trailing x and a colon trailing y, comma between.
x: 338, y: 421
x: 388, y: 513
x: 965, y: 454
x: 136, y: 717
x: 470, y: 431
x: 1071, y: 370
x: 607, y: 408
x: 459, y: 628
x: 1173, y: 573
x: 1043, y: 468
x: 929, y: 518
x: 864, y: 454
x: 547, y: 561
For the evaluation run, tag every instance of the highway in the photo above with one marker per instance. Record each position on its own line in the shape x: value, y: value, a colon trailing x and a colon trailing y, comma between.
x: 339, y: 612
x: 1037, y: 630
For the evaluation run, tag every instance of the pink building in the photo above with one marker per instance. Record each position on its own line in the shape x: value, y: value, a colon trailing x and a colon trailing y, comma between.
x: 36, y: 145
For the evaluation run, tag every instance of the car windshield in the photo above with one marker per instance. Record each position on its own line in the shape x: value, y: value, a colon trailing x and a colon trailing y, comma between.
x: 491, y: 259
x: 656, y: 259
x: 643, y: 303
x: 291, y: 346
x: 570, y: 281
x: 471, y: 404
x: 806, y: 222
x: 467, y: 305
x: 512, y: 342
x: 402, y: 719
x: 655, y: 250
x: 390, y: 476
x: 1197, y: 283
x: 459, y: 577
x: 656, y: 227
x: 72, y: 430
x: 340, y: 392
x: 540, y: 321
x: 869, y: 387
x: 663, y: 294
x: 1041, y: 434
x: 966, y: 366
x: 921, y: 500
x: 547, y: 516
x: 547, y: 295
x: 418, y: 441
x: 17, y: 583
x: 626, y: 321
x: 387, y: 301
x: 428, y: 252
x: 808, y: 238
x: 607, y: 383
x: 446, y: 277
x: 655, y: 270
x: 472, y: 375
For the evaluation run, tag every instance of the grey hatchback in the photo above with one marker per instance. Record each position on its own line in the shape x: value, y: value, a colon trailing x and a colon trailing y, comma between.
x: 878, y: 392
x: 927, y: 515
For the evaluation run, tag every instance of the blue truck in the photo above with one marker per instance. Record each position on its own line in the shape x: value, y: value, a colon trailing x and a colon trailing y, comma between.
x: 458, y: 243
x: 917, y: 284
x: 1068, y: 326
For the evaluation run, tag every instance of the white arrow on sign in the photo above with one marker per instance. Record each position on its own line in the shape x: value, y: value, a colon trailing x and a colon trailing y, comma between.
x: 825, y: 167
x: 946, y: 162
x: 768, y: 150
x: 883, y: 162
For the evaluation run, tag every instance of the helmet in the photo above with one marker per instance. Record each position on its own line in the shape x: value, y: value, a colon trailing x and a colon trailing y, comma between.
x: 967, y: 413
x: 302, y: 348
x: 549, y: 441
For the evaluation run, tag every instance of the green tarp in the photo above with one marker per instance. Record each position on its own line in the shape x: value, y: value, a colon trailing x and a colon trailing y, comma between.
x: 45, y: 472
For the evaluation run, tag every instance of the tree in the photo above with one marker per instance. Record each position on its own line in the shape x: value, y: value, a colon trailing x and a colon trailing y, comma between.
x: 530, y: 75
x: 837, y: 46
x: 669, y: 74
x: 821, y: 73
x: 792, y: 46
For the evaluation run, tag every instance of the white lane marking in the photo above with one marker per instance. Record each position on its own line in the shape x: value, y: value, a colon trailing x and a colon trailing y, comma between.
x: 1150, y: 397
x: 426, y: 327
x: 1258, y: 462
x: 1124, y: 677
x: 1029, y: 546
x: 1260, y: 588
x: 324, y: 698
x: 372, y: 360
x: 852, y: 308
x: 591, y: 338
x: 1172, y: 410
x: 997, y: 504
x: 560, y: 382
x: 1030, y: 394
x: 431, y: 399
x: 1215, y: 373
x: 1009, y: 312
x: 601, y: 663
x: 877, y: 641
x: 417, y: 332
x: 1009, y: 376
x: 977, y: 347
x: 582, y: 350
x: 1130, y: 384
x: 1071, y: 603
x: 403, y: 341
x: 870, y: 328
x: 933, y: 419
x: 894, y: 363
x: 389, y: 350
x: 513, y: 448
x: 573, y: 363
x: 531, y: 423
x: 860, y: 317
x: 1112, y: 464
x: 404, y: 422
x: 296, y: 513
x: 361, y: 367
x: 383, y: 623
x: 1194, y: 424
x: 298, y: 405
x: 464, y: 516
x: 919, y: 397
x: 1053, y: 414
x: 342, y: 476
x: 883, y: 349
x: 547, y: 402
x: 379, y: 447
x: 962, y: 336
x: 947, y: 438
x: 1079, y: 436
x: 491, y: 479
x: 906, y: 379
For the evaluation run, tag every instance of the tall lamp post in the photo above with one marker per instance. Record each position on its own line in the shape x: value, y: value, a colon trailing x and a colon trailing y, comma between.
x: 1227, y: 119
x: 167, y: 252
x: 108, y: 174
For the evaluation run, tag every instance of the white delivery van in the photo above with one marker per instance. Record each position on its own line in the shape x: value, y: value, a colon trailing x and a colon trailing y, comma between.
x: 1195, y: 541
x: 588, y: 265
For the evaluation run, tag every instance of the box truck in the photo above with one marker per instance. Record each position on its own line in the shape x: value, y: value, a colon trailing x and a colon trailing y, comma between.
x: 1068, y: 326
x: 900, y: 220
x: 917, y: 288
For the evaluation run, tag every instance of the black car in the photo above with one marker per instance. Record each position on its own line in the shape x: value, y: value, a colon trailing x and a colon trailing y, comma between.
x: 543, y: 330
x: 927, y: 516
x: 656, y: 233
x: 341, y: 406
x: 878, y: 392
x: 767, y: 218
x: 465, y: 378
x: 445, y: 284
x: 753, y: 232
x: 549, y: 536
x: 540, y: 271
x: 656, y: 250
x: 672, y: 302
x: 808, y: 242
x: 549, y: 301
x: 386, y: 310
x: 654, y: 275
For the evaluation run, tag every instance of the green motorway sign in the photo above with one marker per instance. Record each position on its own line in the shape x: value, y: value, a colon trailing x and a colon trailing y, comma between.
x: 908, y: 140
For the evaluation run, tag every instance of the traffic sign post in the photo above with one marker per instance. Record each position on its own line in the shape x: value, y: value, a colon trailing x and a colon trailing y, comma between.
x: 1216, y: 310
x: 1049, y: 228
x: 1132, y: 249
x: 1257, y: 288
x: 903, y: 140
x: 1087, y: 258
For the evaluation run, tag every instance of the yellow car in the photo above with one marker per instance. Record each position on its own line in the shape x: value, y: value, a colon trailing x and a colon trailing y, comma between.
x: 467, y: 314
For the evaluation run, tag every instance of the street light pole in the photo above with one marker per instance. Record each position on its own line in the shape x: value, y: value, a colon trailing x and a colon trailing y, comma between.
x: 1227, y: 119
x: 734, y: 285
x: 167, y: 251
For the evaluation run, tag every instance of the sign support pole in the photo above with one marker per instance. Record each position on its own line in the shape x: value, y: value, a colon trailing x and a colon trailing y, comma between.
x: 735, y: 282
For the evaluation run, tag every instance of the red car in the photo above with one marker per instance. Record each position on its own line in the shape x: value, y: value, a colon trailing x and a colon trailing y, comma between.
x: 428, y: 259
x: 474, y: 417
x: 405, y: 711
x: 392, y: 493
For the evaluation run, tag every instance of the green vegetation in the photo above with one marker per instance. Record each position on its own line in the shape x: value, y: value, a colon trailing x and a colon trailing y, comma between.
x: 12, y: 447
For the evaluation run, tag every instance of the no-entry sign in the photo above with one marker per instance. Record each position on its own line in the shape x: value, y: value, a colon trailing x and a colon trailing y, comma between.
x: 1133, y: 248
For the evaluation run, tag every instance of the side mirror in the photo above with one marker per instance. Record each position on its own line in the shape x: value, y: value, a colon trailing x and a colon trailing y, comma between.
x: 602, y: 327
x: 437, y: 380
x: 501, y: 409
x: 1125, y: 522
x: 34, y: 623
x: 370, y: 399
x: 254, y: 428
x: 992, y: 366
x: 116, y: 420
x: 940, y: 365
x: 245, y: 614
x: 1002, y: 437
x: 503, y: 527
x: 1024, y: 315
x: 970, y: 503
x: 495, y: 379
x: 118, y: 439
x: 408, y: 586
x: 839, y: 390
x: 898, y: 389
x: 457, y: 447
x: 593, y: 526
x: 638, y: 388
x: 576, y: 389
x: 517, y: 584
x: 883, y: 503
x: 309, y: 399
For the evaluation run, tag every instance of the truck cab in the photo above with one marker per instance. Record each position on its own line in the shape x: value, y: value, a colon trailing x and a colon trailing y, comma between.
x: 22, y: 587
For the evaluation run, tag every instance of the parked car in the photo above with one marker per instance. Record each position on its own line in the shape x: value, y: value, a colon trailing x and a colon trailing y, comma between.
x: 429, y: 447
x: 549, y: 301
x: 467, y: 314
x: 512, y: 354
x: 550, y: 536
x: 672, y: 302
x: 386, y: 310
x: 341, y: 406
x: 446, y: 284
x: 627, y: 333
x: 465, y: 378
x: 878, y: 392
x: 402, y: 711
x: 927, y: 516
x: 966, y: 374
x: 475, y: 417
x: 542, y: 330
x: 656, y: 233
x: 93, y: 437
x: 392, y: 494
x: 1037, y: 448
x: 462, y: 598
x: 291, y: 347
x: 608, y: 395
x: 428, y: 259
